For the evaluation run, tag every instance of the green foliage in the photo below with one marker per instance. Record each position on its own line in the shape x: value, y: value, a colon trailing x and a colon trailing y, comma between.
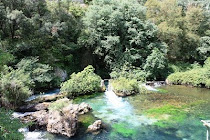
x: 83, y: 82
x: 77, y: 10
x: 88, y: 1
x: 118, y: 32
x: 179, y: 26
x: 179, y: 67
x: 204, y: 49
x: 59, y: 104
x: 125, y: 86
x: 156, y: 65
x: 15, y: 86
x: 129, y: 72
x: 5, y: 58
x: 9, y: 126
x: 198, y: 76
x: 40, y: 73
x: 46, y: 29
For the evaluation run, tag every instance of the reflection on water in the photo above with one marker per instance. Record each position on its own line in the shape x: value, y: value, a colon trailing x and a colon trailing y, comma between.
x: 127, y: 119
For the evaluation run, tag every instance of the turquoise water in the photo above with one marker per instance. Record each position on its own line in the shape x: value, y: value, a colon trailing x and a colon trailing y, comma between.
x: 173, y: 113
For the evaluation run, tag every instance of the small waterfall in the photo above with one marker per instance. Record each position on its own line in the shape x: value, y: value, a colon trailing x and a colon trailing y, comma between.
x: 150, y: 88
x: 115, y: 101
x: 121, y: 109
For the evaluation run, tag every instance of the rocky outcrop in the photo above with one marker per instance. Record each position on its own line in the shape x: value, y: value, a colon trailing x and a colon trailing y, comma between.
x: 33, y: 107
x: 63, y: 122
x: 38, y: 118
x: 95, y: 127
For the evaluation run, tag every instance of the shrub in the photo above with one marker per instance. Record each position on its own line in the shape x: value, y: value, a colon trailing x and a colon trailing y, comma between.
x: 179, y: 67
x: 123, y: 86
x: 197, y: 76
x: 9, y: 126
x: 83, y: 82
x: 14, y: 86
x: 59, y: 104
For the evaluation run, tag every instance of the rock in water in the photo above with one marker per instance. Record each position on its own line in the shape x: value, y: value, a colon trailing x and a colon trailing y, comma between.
x: 84, y: 108
x: 63, y: 122
x: 95, y: 127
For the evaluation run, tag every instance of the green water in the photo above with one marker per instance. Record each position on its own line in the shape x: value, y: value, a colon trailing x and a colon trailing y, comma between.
x: 173, y: 113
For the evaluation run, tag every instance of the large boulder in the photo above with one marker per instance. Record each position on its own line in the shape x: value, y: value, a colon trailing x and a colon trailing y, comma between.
x: 38, y: 118
x: 63, y: 122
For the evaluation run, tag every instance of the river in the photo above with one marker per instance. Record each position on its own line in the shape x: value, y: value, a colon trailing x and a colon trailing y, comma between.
x: 167, y: 113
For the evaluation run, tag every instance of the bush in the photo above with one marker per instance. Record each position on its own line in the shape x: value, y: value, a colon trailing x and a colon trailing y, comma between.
x: 9, y: 126
x: 123, y: 86
x: 179, y: 67
x: 83, y: 82
x: 198, y: 76
x: 14, y: 86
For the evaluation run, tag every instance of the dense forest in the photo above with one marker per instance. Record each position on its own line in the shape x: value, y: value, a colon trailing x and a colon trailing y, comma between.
x: 43, y: 42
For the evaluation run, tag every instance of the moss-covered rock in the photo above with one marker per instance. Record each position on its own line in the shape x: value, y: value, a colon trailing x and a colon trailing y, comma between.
x: 122, y: 129
x: 125, y: 87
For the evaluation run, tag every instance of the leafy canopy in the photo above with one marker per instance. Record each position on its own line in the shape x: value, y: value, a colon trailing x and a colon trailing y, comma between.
x: 118, y: 32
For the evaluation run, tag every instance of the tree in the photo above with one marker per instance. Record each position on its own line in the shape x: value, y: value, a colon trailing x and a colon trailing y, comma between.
x: 16, y: 85
x: 156, y: 65
x: 179, y: 27
x: 118, y: 32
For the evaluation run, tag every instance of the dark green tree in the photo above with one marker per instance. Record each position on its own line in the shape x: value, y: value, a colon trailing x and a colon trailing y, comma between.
x: 118, y: 32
